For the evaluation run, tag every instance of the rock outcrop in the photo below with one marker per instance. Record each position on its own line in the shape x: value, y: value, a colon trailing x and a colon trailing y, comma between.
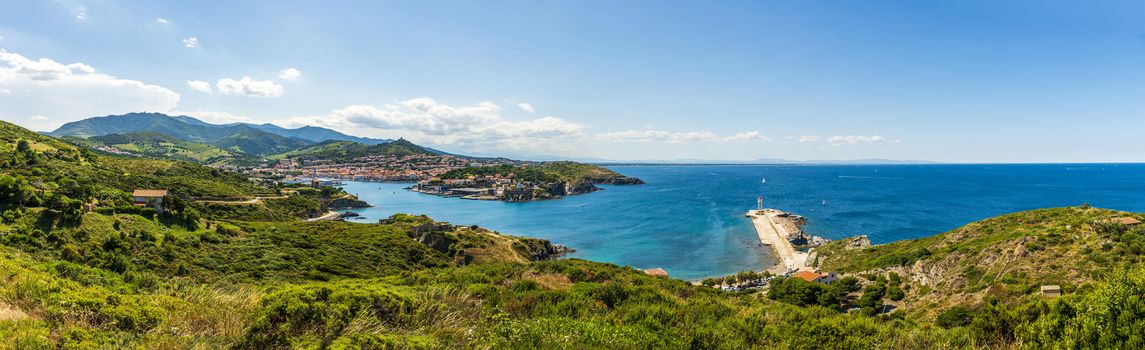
x: 434, y: 236
x: 346, y: 203
x: 541, y: 249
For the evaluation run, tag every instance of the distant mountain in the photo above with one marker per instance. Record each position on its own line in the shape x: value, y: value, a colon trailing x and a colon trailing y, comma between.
x: 315, y: 134
x: 259, y: 139
x: 340, y: 151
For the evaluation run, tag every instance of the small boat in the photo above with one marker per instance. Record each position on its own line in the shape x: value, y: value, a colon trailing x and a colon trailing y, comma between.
x: 824, y: 202
x: 764, y: 181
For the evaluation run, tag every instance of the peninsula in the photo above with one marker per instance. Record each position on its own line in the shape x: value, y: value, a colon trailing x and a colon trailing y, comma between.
x: 526, y: 182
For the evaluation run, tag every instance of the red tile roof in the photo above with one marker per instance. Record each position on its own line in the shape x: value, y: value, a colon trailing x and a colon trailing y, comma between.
x: 149, y: 193
x: 807, y: 276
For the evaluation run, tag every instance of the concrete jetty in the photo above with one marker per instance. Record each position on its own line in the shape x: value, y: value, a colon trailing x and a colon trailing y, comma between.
x: 773, y: 234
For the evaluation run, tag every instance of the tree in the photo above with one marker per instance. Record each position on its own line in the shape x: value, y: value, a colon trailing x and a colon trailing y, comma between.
x: 795, y: 291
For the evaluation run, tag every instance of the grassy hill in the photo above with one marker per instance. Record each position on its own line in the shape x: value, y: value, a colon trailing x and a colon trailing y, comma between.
x: 1006, y: 258
x: 153, y: 144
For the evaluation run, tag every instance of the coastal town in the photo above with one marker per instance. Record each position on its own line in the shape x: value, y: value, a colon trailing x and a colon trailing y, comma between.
x: 404, y: 168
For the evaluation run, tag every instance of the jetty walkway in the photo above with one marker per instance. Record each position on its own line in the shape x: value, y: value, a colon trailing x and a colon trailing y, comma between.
x: 773, y: 234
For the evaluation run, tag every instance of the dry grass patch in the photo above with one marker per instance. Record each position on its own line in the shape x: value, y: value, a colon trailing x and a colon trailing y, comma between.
x: 11, y: 313
x: 549, y: 280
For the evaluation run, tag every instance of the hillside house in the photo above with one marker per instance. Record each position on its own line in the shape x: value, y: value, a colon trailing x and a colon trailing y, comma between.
x: 824, y: 277
x: 149, y: 198
x: 1051, y: 291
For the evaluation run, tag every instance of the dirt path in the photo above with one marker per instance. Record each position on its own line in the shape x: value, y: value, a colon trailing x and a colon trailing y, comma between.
x: 256, y: 200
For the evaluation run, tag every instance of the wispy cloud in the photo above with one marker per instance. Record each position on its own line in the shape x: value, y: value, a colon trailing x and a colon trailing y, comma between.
x: 525, y: 106
x: 200, y: 85
x: 191, y: 42
x: 677, y: 137
x: 248, y: 87
x: 428, y: 120
x: 289, y: 74
x: 162, y: 20
x: 854, y: 139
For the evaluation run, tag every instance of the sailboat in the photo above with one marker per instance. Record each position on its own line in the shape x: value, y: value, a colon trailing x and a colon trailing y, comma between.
x: 763, y: 181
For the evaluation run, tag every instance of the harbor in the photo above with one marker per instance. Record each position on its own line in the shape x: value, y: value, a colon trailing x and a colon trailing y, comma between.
x: 776, y: 229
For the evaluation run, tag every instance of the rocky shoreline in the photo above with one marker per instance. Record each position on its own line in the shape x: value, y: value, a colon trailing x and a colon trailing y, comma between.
x: 531, y: 192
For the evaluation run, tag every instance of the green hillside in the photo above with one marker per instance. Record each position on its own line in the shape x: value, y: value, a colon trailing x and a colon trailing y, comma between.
x: 199, y: 276
x: 153, y: 144
x: 1006, y: 258
x: 233, y: 137
x: 342, y: 151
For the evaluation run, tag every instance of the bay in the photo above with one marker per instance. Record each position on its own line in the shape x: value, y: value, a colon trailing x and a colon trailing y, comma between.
x: 689, y: 219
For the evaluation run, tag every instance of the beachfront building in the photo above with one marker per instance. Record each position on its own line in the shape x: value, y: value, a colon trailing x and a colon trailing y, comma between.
x: 817, y: 277
x: 149, y: 198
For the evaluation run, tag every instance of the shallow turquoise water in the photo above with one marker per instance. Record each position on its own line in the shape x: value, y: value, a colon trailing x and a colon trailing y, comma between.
x: 689, y: 219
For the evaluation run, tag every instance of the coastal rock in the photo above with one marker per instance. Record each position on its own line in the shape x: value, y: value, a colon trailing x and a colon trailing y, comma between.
x: 347, y: 203
x: 541, y: 249
x: 618, y: 180
x: 434, y: 236
x: 858, y: 242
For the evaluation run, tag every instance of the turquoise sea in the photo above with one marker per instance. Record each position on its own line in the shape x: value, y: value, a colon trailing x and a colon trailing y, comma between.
x: 689, y: 219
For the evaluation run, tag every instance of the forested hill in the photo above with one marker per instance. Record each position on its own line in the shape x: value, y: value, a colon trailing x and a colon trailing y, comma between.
x: 344, y: 151
x: 191, y: 129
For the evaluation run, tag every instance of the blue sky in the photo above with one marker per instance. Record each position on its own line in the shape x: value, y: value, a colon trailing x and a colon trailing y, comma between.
x: 965, y: 81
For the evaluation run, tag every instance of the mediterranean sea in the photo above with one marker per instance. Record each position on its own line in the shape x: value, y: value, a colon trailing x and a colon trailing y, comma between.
x: 690, y: 220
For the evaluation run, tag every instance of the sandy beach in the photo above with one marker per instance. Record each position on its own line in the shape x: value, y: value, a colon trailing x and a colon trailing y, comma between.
x: 773, y: 234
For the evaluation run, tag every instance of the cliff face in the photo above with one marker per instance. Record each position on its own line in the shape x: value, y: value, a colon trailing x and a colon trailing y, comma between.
x: 565, y: 188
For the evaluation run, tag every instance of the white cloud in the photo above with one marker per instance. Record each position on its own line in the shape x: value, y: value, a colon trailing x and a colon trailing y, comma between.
x: 747, y: 136
x: 289, y: 74
x: 191, y: 42
x: 677, y: 137
x: 525, y: 106
x: 81, y: 15
x: 805, y: 139
x: 162, y: 20
x: 426, y: 120
x: 214, y: 117
x: 248, y: 87
x: 200, y: 85
x: 60, y: 92
x: 853, y: 139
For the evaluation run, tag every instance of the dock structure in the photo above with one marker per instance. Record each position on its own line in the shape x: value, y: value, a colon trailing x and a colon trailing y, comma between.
x: 773, y: 234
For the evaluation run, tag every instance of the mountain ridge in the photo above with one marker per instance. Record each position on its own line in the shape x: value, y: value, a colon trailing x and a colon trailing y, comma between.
x: 199, y: 131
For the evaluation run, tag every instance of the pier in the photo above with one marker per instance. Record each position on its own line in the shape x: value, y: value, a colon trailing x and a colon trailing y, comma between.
x: 773, y: 234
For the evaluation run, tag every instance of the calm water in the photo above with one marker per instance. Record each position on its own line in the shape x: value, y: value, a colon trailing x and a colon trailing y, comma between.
x: 689, y: 219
